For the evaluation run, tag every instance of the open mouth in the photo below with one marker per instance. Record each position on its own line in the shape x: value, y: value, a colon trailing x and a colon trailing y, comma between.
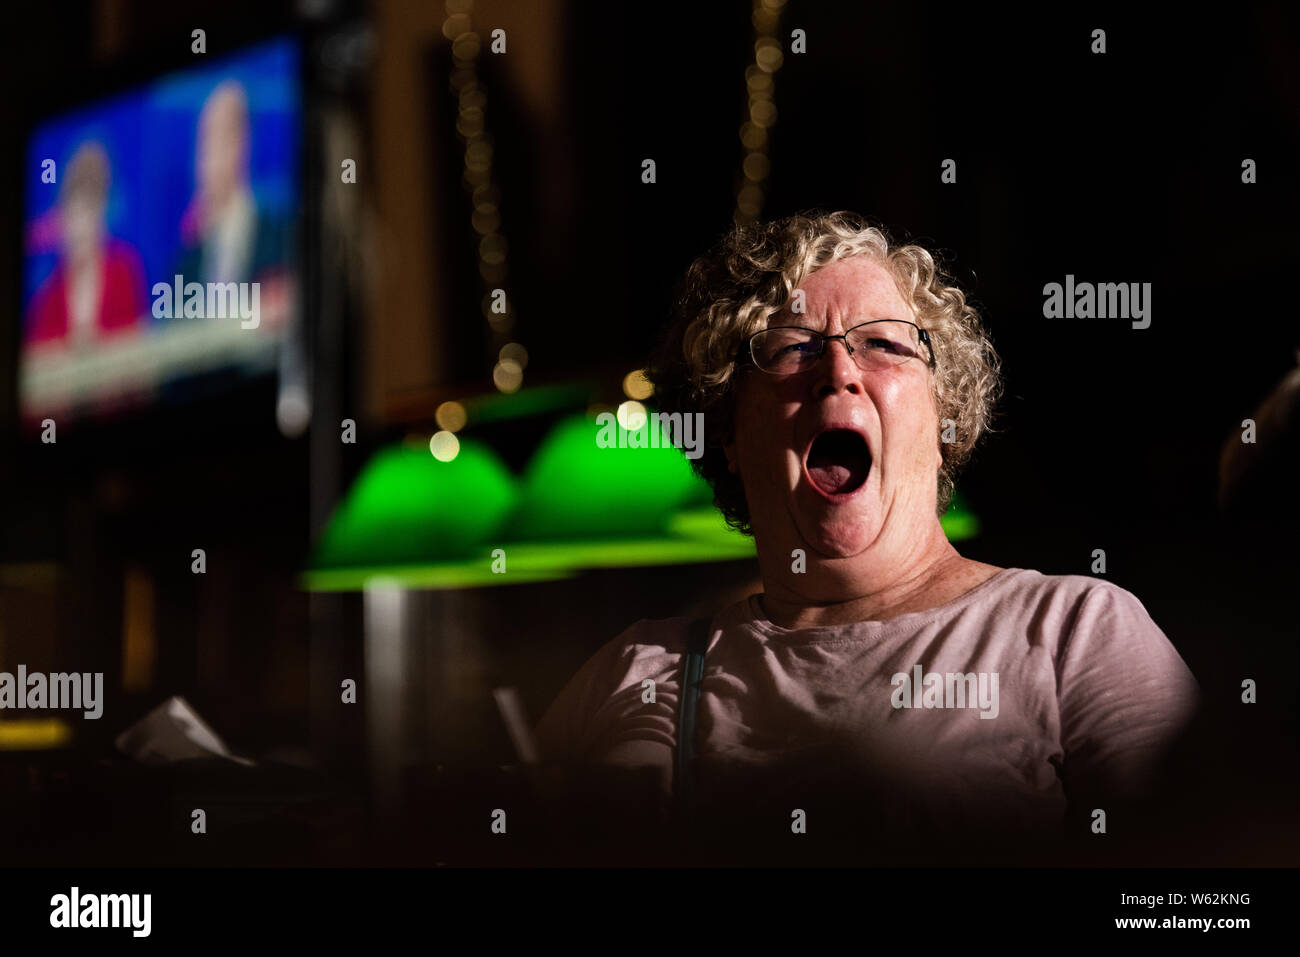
x: 839, y: 461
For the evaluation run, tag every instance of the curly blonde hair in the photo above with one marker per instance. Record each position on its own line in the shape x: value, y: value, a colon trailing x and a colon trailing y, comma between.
x: 730, y: 292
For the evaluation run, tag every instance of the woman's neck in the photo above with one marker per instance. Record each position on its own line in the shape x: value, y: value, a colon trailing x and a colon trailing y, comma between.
x: 924, y: 584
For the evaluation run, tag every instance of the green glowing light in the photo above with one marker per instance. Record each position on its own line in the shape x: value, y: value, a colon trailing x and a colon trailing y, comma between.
x: 408, y: 507
x: 575, y: 489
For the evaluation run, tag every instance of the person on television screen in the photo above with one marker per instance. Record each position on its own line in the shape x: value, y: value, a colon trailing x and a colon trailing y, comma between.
x: 880, y: 680
x: 97, y: 288
x: 225, y: 236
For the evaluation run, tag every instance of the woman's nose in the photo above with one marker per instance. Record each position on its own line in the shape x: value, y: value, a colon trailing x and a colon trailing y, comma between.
x: 837, y: 369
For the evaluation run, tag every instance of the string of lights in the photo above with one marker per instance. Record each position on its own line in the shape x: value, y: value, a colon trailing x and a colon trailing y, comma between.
x: 485, y: 220
x: 512, y: 357
x: 755, y: 132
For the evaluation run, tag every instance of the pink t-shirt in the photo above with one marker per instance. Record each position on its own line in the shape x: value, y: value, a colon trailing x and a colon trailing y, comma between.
x: 1025, y: 693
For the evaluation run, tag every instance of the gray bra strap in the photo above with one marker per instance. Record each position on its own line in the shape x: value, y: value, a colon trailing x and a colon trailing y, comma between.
x: 688, y: 706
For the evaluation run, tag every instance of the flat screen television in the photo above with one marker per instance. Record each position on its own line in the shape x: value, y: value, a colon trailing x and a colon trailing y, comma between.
x: 161, y: 234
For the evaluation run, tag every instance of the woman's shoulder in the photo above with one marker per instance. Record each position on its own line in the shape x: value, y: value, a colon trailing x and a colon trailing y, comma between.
x: 1056, y: 606
x: 654, y: 647
x: 1047, y: 586
x: 644, y: 646
x: 1077, y: 616
x: 611, y: 685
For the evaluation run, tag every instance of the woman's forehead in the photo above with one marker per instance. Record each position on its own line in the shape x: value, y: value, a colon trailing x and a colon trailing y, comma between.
x: 854, y: 289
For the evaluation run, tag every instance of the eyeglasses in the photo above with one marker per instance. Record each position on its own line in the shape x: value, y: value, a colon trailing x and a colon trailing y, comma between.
x: 878, y: 344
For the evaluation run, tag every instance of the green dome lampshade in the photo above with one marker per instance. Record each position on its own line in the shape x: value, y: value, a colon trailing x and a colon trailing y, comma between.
x: 409, y: 507
x: 574, y: 488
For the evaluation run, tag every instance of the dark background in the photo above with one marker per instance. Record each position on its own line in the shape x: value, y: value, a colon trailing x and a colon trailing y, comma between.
x: 1122, y: 167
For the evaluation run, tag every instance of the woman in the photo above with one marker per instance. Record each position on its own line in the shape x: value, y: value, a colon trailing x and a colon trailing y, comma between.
x: 97, y: 289
x: 881, y: 684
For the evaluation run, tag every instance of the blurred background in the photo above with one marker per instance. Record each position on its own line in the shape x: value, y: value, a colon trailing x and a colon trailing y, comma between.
x: 392, y: 479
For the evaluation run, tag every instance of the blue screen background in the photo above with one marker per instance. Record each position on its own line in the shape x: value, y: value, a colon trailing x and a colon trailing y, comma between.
x: 149, y: 135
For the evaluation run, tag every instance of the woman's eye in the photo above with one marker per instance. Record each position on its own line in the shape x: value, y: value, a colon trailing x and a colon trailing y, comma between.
x: 795, y: 348
x: 888, y: 345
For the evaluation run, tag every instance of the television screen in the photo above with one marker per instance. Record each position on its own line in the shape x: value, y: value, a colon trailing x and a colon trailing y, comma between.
x: 160, y: 234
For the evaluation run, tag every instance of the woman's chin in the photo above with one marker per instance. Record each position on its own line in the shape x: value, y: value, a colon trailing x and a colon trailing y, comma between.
x: 839, y: 536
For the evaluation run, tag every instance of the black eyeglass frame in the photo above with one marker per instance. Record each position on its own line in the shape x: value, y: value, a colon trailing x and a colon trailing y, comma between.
x: 747, y: 350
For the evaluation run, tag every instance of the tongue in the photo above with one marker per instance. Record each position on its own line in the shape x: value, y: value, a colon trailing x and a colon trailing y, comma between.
x: 831, y: 478
x: 838, y: 462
